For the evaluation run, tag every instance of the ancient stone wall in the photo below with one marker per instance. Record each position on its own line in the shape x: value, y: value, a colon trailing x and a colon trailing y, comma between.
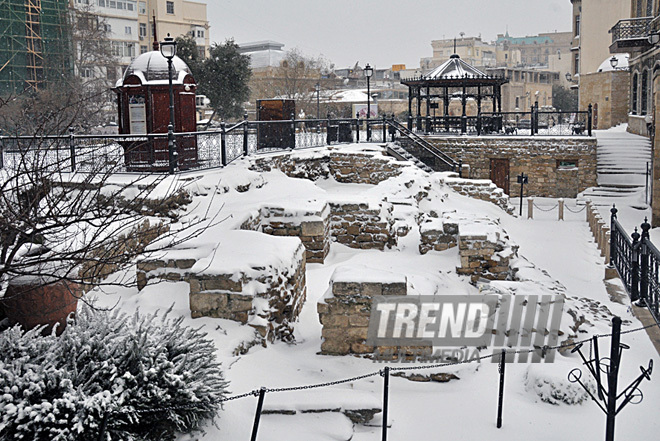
x: 539, y: 157
x: 485, y: 252
x: 267, y: 296
x: 437, y: 233
x: 482, y: 189
x: 347, y: 167
x: 362, y: 225
x: 345, y: 310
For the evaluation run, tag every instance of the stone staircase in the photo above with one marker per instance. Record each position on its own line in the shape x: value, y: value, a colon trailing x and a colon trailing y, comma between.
x: 622, y: 161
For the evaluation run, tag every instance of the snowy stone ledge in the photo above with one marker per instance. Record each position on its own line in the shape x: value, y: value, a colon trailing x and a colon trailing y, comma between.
x: 249, y: 277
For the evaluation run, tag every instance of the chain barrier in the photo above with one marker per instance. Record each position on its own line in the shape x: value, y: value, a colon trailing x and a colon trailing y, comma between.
x: 380, y: 372
x: 575, y: 211
x: 542, y: 209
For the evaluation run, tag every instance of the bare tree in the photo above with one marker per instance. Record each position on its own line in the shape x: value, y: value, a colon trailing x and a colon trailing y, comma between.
x: 58, y: 225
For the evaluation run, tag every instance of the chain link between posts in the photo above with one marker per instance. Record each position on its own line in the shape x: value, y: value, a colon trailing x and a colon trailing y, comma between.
x: 377, y: 373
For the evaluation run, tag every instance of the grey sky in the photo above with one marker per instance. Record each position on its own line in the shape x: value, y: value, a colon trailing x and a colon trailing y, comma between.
x: 380, y: 32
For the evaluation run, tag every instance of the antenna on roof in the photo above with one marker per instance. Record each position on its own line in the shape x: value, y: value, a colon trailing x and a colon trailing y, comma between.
x: 156, y: 45
x: 454, y: 44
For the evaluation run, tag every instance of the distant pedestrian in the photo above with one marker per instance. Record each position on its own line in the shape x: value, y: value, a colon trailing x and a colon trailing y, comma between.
x: 301, y: 117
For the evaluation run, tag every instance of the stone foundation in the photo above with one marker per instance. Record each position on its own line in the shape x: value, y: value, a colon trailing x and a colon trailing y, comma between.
x: 345, y: 310
x: 345, y: 167
x: 437, y: 233
x: 261, y: 283
x: 362, y: 225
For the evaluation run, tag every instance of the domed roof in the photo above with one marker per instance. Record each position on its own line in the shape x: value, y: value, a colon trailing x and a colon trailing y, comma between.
x: 152, y: 66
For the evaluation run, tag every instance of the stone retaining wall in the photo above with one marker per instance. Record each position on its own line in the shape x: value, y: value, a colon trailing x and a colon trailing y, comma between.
x: 536, y: 156
x: 437, y: 233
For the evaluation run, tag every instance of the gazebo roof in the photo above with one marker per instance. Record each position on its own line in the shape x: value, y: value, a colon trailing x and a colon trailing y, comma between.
x: 453, y: 72
x: 453, y: 68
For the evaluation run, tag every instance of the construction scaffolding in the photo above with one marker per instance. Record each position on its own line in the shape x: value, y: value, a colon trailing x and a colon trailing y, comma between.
x: 35, y: 44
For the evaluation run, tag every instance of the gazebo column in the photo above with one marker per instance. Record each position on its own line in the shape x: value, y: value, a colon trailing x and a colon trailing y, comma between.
x: 428, y: 109
x: 479, y: 124
x: 464, y: 114
x: 445, y: 104
x: 410, y: 94
x: 419, y: 108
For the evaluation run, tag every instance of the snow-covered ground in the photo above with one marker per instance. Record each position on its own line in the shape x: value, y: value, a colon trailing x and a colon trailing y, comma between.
x: 462, y: 409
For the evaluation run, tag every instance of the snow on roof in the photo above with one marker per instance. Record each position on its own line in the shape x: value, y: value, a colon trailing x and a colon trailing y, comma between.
x: 606, y: 65
x: 454, y: 67
x: 151, y: 68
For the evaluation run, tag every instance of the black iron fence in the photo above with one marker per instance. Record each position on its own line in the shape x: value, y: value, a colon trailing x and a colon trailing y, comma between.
x: 637, y: 261
x: 217, y: 148
x: 534, y: 122
x: 631, y: 28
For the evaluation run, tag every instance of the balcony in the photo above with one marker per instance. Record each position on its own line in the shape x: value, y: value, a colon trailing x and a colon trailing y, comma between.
x: 630, y: 34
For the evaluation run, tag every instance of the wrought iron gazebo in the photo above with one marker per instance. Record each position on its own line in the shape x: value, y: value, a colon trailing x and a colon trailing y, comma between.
x: 455, y: 80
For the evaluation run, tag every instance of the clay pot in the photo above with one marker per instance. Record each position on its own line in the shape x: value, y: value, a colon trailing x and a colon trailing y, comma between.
x: 31, y: 304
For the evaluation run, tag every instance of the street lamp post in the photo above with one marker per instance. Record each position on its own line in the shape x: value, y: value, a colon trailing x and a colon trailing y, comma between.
x: 368, y: 72
x: 318, y: 107
x: 168, y: 50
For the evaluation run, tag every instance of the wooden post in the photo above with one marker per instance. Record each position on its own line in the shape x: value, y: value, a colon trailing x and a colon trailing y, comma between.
x: 561, y: 209
x: 530, y: 208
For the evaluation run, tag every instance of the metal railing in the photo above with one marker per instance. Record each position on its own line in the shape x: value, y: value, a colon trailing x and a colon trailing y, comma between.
x: 533, y: 122
x: 631, y: 28
x: 637, y: 261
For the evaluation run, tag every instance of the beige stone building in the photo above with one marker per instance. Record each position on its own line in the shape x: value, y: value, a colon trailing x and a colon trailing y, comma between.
x: 525, y: 87
x: 472, y: 50
x: 174, y: 17
x: 592, y: 21
x: 535, y: 50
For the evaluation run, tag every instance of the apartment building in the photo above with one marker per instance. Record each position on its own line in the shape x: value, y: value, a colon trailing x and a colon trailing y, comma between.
x: 174, y: 17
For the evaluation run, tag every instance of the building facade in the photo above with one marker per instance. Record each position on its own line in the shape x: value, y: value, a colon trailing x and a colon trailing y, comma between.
x: 535, y: 50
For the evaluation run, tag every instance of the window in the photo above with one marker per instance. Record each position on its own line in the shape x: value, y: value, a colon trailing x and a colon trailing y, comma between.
x: 107, y: 27
x: 576, y: 68
x: 200, y: 34
x: 144, y: 49
x: 128, y: 30
x: 123, y: 49
x: 87, y: 72
x: 170, y: 7
x: 644, y: 92
x: 201, y: 51
x: 142, y: 7
x: 567, y: 164
x: 143, y: 30
x: 577, y: 25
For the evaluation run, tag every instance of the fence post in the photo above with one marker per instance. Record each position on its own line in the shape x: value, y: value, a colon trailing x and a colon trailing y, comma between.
x: 644, y: 264
x: 604, y: 229
x: 613, y: 234
x: 479, y: 123
x: 357, y: 127
x: 612, y: 377
x: 246, y: 152
x: 327, y: 130
x: 634, y: 289
x: 293, y: 131
x: 589, y: 119
x: 500, y: 399
x: 536, y: 117
x: 530, y: 208
x: 460, y: 167
x: 72, y: 149
x: 386, y: 393
x: 531, y: 121
x: 384, y: 128
x: 223, y: 143
x: 257, y: 416
x: 410, y: 122
x: 561, y: 209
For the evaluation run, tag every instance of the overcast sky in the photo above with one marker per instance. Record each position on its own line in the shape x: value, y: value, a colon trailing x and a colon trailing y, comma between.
x: 379, y: 32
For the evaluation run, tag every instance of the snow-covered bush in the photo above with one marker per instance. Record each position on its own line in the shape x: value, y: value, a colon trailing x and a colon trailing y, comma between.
x: 550, y: 383
x: 140, y: 377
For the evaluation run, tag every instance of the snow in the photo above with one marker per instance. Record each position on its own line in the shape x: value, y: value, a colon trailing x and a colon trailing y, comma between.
x: 557, y: 257
x: 365, y: 274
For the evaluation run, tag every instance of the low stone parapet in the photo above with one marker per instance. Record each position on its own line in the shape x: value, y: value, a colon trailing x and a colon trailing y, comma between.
x: 437, y: 233
x: 482, y: 189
